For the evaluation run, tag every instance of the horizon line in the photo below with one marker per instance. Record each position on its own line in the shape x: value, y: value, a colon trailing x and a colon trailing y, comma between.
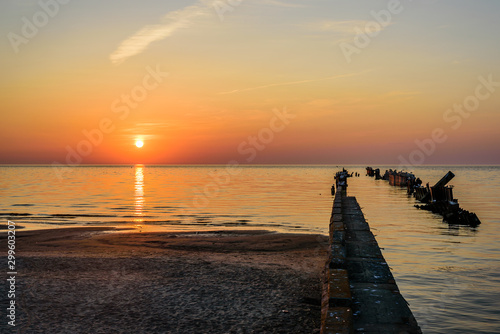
x: 240, y: 164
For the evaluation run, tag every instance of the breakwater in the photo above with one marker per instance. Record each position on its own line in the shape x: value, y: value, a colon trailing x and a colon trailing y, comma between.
x: 359, y: 294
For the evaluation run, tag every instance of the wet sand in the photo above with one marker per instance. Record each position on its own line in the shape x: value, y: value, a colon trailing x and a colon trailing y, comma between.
x: 88, y: 280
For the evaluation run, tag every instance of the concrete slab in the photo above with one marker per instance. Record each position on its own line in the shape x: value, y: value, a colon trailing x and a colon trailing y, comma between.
x: 360, y: 294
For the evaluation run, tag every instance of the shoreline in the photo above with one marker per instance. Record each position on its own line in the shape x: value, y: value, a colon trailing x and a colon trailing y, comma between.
x: 109, y: 280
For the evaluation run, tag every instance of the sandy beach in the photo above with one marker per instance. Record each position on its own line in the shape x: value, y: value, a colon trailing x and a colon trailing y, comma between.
x: 99, y: 280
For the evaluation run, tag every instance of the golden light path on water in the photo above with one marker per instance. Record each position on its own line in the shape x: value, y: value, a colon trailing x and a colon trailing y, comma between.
x: 139, y: 195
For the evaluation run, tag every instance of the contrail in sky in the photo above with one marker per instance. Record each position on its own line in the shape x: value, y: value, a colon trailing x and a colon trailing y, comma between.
x: 291, y: 83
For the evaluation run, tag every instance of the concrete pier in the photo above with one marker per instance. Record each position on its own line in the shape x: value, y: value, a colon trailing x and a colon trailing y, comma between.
x: 360, y: 294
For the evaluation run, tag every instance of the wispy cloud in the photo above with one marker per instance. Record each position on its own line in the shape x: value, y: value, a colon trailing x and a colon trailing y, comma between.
x: 281, y: 4
x: 348, y: 27
x: 289, y: 83
x: 172, y: 22
x: 402, y: 93
x: 396, y: 96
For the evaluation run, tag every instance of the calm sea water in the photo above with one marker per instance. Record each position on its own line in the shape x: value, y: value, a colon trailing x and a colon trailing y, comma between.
x: 450, y: 275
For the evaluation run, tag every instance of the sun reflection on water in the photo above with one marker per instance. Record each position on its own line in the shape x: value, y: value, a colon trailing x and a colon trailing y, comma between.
x: 139, y: 194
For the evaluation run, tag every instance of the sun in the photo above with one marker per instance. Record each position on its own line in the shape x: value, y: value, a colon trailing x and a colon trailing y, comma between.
x: 139, y: 143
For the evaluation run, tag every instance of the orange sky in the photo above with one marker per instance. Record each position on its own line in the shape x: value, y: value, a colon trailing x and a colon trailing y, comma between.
x: 102, y: 68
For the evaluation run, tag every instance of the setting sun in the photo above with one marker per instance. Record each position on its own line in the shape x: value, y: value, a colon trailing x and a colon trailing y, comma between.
x: 139, y: 143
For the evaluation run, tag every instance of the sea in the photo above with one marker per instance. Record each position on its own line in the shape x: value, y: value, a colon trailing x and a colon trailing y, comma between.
x: 450, y: 275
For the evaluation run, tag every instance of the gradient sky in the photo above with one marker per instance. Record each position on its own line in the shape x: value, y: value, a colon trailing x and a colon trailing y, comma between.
x: 228, y: 71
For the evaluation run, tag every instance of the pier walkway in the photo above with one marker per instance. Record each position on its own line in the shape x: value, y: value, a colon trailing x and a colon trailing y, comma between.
x: 360, y: 294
